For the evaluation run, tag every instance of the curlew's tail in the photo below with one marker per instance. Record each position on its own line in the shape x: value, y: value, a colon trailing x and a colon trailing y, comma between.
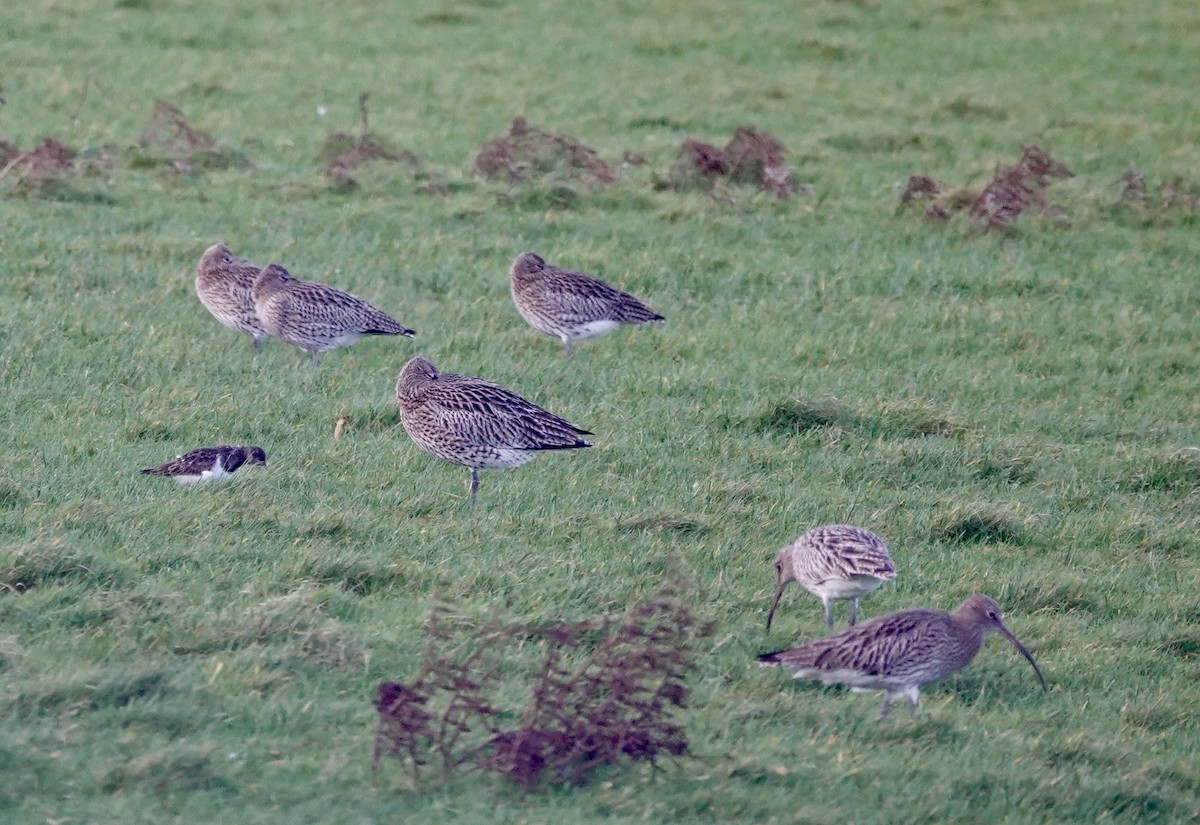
x: 771, y: 659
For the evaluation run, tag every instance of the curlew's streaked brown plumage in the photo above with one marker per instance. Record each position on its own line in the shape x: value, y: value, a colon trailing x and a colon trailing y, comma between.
x: 315, y: 317
x: 476, y: 423
x: 833, y: 562
x: 569, y: 305
x: 209, y: 464
x: 900, y: 652
x: 225, y: 285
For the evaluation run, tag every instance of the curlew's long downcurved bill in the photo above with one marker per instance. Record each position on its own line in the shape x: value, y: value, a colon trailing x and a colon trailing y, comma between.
x: 775, y: 602
x: 1004, y: 631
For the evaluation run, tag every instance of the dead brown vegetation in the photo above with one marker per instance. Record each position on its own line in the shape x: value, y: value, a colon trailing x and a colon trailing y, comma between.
x: 750, y: 157
x: 343, y: 153
x: 604, y: 692
x: 527, y: 152
x: 48, y: 165
x: 168, y: 140
x: 1175, y: 195
x: 1012, y: 190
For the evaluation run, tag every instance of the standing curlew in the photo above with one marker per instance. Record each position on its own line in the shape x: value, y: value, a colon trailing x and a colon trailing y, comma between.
x: 569, y: 305
x: 900, y: 652
x: 476, y: 423
x: 225, y: 285
x: 314, y: 317
x: 209, y: 464
x: 833, y: 562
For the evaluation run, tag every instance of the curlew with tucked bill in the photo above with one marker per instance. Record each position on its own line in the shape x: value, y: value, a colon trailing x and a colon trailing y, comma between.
x: 314, y: 317
x: 834, y: 562
x: 209, y: 464
x: 225, y: 285
x: 571, y: 306
x: 901, y: 652
x: 476, y: 423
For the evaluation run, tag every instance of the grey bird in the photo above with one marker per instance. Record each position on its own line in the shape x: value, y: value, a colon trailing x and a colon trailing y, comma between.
x: 569, y: 305
x: 900, y: 652
x: 209, y: 464
x: 476, y: 423
x: 833, y: 562
x: 225, y: 285
x: 315, y: 317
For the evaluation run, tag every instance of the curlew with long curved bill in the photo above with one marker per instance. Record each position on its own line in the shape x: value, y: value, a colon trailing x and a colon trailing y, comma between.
x: 900, y: 652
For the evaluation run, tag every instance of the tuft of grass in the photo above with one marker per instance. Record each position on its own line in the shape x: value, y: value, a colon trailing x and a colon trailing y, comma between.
x: 663, y: 522
x: 801, y: 416
x: 980, y: 525
x: 1177, y: 472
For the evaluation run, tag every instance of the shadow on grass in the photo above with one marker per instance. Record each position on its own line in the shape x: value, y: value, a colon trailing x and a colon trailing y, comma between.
x: 891, y: 421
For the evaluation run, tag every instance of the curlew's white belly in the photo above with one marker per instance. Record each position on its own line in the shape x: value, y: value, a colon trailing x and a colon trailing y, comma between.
x: 844, y: 588
x: 591, y: 329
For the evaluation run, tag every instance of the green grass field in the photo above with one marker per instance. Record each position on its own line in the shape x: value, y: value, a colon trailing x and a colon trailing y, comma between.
x: 1015, y: 412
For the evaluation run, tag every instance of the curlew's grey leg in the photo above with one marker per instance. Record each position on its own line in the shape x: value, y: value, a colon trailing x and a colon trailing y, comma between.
x: 887, y: 704
x: 853, y: 611
x: 474, y: 484
x: 828, y: 613
x: 566, y: 347
x: 316, y: 360
x: 258, y: 345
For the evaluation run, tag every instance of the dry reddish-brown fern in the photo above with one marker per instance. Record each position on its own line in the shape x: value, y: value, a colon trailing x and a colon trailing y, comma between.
x: 48, y: 163
x: 169, y: 141
x: 1015, y: 188
x: 605, y: 691
x: 751, y: 156
x: 1012, y: 190
x: 526, y: 152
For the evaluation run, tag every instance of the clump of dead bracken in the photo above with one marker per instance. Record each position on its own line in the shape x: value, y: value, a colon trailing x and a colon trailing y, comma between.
x: 51, y: 170
x: 1177, y: 196
x: 1013, y: 190
x: 604, y: 692
x: 751, y: 157
x: 342, y: 153
x: 526, y: 152
x: 51, y: 161
x: 170, y: 143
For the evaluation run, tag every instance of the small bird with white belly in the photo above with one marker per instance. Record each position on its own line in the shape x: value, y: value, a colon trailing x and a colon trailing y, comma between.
x: 900, y: 652
x: 209, y: 464
x: 570, y: 305
x: 834, y: 562
x: 315, y: 317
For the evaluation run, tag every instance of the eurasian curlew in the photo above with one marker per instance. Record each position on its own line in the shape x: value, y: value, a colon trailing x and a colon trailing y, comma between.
x: 315, y: 317
x: 569, y: 305
x: 209, y: 464
x: 225, y: 285
x: 833, y: 562
x: 476, y: 423
x: 900, y: 652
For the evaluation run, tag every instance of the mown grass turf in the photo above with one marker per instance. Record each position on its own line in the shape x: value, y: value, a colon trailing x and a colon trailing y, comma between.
x: 1015, y: 413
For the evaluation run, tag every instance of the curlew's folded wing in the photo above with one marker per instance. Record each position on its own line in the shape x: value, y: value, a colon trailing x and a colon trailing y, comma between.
x: 879, y: 647
x: 486, y: 413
